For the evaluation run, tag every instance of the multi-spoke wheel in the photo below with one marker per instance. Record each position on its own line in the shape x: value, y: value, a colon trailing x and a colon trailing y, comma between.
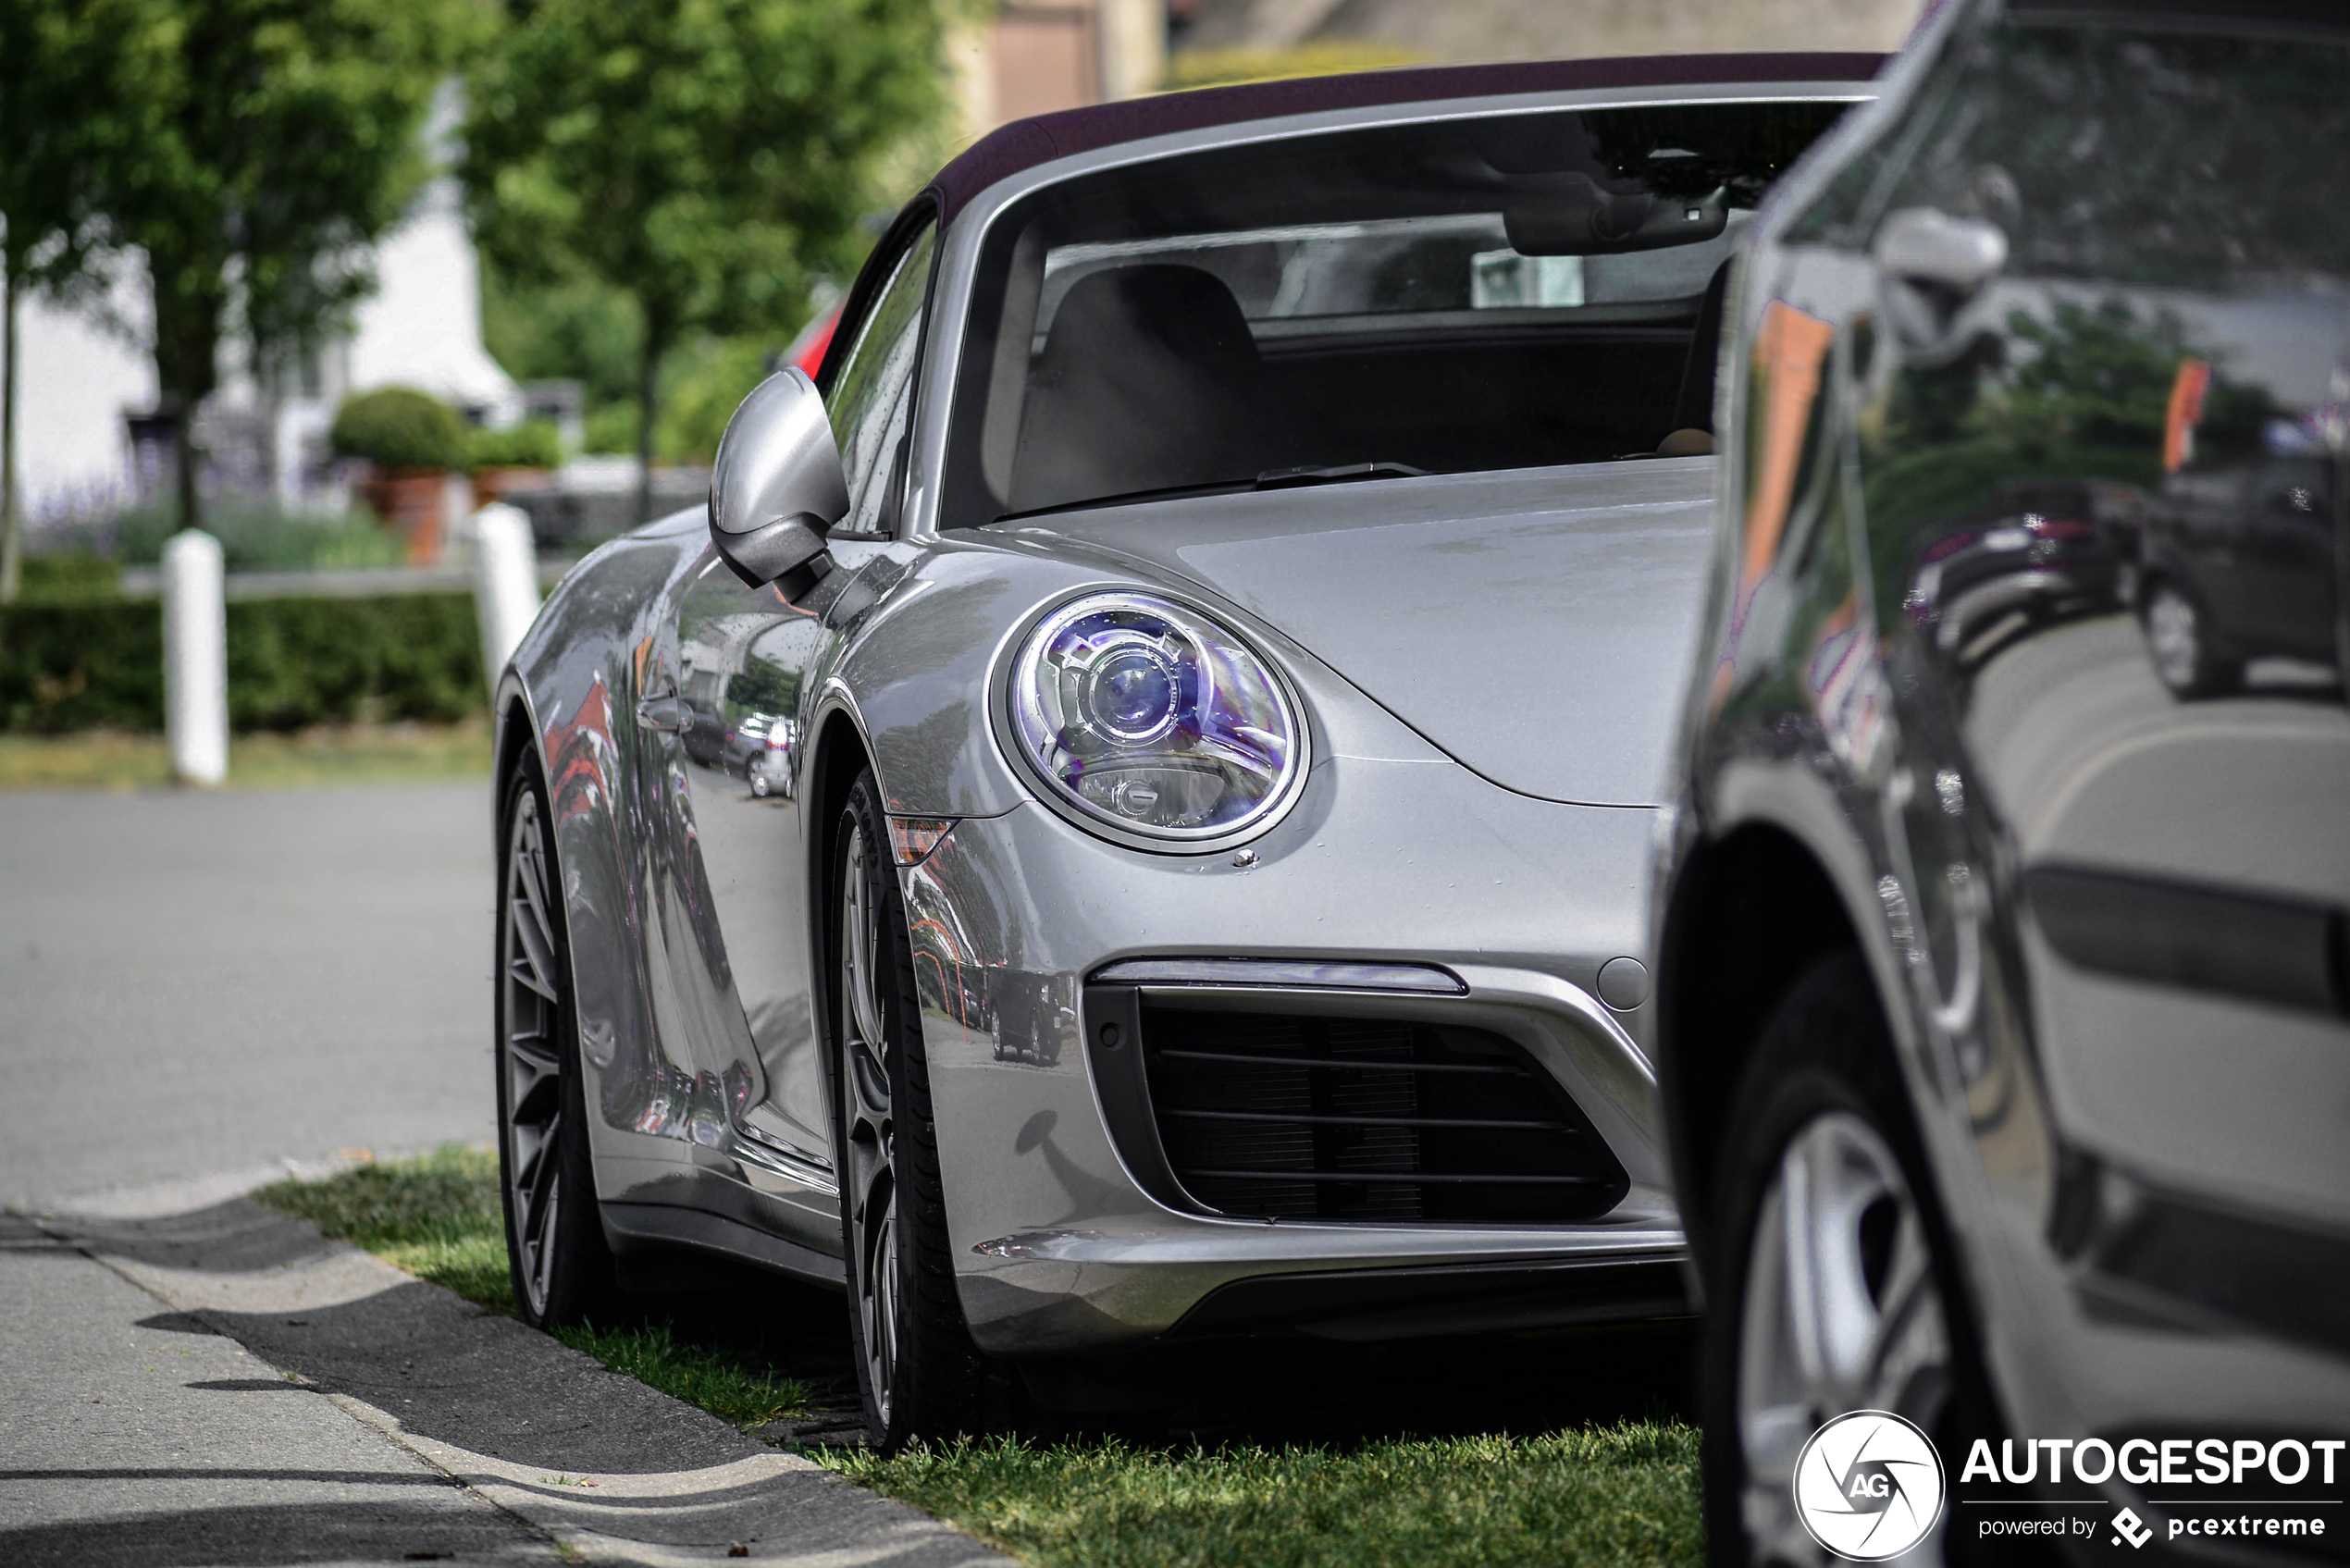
x: 921, y: 1375
x: 563, y: 1270
x: 1828, y: 1282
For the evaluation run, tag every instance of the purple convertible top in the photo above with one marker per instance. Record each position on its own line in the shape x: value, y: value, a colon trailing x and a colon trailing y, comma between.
x: 1025, y: 143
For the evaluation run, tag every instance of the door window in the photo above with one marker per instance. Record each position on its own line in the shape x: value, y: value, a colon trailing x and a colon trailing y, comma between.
x: 872, y: 399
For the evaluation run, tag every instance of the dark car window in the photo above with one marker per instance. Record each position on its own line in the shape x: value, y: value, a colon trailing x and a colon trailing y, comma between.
x: 872, y: 398
x: 1501, y: 292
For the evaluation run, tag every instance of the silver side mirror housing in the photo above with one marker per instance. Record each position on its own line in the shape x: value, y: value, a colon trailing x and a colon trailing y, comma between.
x: 777, y: 486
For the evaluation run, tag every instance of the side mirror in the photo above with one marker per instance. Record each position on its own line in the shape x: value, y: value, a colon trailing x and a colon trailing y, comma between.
x: 777, y: 486
x: 1931, y: 266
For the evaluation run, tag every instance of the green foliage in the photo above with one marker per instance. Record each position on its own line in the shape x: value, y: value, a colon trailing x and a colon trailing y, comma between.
x: 568, y: 328
x: 254, y: 538
x: 399, y: 427
x: 276, y: 138
x: 72, y: 578
x: 705, y: 158
x: 1216, y: 68
x: 703, y: 394
x: 533, y: 444
x: 656, y: 1356
x: 1618, y: 1495
x: 292, y: 662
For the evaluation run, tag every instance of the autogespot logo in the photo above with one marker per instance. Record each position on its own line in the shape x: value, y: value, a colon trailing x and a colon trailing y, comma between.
x: 1868, y: 1485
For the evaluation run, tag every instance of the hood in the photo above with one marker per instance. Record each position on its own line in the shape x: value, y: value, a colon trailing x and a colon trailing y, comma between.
x: 1537, y: 626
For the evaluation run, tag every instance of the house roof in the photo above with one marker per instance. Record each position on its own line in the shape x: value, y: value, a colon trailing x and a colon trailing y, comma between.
x: 1025, y: 143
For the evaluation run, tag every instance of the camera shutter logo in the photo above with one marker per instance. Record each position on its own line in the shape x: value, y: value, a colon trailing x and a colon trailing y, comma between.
x: 1868, y: 1485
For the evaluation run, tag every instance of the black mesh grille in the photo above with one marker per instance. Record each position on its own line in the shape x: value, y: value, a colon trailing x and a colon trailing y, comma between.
x: 1281, y: 1116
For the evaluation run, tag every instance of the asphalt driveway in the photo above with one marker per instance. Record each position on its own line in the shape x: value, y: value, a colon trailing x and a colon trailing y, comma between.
x: 193, y: 985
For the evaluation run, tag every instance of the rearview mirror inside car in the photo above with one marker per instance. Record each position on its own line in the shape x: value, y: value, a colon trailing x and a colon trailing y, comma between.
x: 778, y: 486
x: 1573, y: 216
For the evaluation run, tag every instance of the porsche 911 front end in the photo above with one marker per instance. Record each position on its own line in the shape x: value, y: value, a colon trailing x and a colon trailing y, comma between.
x: 1211, y: 632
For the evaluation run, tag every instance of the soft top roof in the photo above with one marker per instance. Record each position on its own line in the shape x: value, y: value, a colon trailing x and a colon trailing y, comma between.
x: 1025, y: 143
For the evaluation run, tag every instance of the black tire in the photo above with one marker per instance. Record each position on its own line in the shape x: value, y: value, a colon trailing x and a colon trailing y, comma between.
x: 921, y: 1376
x: 561, y: 1263
x: 2187, y: 657
x: 1823, y: 1076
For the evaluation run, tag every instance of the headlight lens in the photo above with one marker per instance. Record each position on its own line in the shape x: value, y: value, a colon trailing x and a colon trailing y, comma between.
x: 1153, y: 718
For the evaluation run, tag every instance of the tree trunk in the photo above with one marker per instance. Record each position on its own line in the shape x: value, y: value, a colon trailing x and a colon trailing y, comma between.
x: 648, y: 405
x: 11, y: 519
x: 188, y: 312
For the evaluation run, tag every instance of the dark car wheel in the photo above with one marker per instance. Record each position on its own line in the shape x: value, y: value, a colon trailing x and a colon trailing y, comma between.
x: 2179, y: 638
x: 921, y: 1375
x: 562, y: 1268
x: 1829, y: 1282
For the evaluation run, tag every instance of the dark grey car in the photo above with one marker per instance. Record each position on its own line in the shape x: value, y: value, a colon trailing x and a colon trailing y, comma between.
x: 2002, y: 1009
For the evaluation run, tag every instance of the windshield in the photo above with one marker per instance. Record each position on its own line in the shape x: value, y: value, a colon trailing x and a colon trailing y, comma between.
x: 1501, y: 292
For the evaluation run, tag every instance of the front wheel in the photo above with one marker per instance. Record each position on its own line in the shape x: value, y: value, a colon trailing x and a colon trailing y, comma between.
x: 561, y: 1268
x: 921, y: 1375
x: 1830, y: 1287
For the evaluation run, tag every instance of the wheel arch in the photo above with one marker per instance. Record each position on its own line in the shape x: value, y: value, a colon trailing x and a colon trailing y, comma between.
x: 1750, y: 912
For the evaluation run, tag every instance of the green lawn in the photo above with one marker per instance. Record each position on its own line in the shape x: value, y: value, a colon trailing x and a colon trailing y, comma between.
x: 1616, y: 1494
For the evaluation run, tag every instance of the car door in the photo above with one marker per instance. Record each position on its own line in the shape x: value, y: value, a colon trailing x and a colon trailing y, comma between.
x: 2088, y: 257
x: 748, y: 672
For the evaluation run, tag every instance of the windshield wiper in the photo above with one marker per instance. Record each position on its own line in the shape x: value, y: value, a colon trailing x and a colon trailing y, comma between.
x: 1345, y: 473
x: 1272, y: 479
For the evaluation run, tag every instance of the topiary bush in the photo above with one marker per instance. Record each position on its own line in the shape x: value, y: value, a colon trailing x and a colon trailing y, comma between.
x: 532, y: 444
x: 401, y: 427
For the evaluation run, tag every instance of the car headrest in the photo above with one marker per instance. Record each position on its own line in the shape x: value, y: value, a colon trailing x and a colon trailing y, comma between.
x: 1159, y: 311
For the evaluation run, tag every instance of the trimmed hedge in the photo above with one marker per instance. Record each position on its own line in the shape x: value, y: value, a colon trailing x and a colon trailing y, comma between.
x: 292, y: 662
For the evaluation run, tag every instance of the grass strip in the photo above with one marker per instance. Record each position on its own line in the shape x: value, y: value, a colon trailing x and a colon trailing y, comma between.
x: 438, y: 1216
x: 1617, y: 1497
x: 728, y: 1388
x: 126, y: 759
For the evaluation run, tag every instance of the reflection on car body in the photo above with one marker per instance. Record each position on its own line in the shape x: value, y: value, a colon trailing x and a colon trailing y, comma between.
x: 1160, y: 919
x: 2004, y: 1027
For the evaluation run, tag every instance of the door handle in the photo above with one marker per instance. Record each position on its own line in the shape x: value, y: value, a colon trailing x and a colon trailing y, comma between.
x: 663, y: 710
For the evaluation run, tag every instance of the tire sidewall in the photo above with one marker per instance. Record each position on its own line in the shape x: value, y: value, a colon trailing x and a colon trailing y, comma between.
x: 1825, y: 1049
x: 583, y: 1285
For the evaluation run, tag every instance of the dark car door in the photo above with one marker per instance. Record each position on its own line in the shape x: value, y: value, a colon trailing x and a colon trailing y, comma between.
x: 749, y: 664
x: 2097, y: 251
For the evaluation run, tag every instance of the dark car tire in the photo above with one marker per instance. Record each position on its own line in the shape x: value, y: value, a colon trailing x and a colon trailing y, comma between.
x: 2179, y: 640
x: 1824, y: 1084
x: 920, y: 1372
x: 562, y: 1266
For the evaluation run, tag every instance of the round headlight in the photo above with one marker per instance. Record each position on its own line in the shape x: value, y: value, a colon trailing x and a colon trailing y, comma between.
x: 1153, y: 718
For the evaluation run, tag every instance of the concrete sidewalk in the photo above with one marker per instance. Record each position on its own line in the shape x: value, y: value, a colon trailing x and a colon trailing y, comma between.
x: 223, y: 1386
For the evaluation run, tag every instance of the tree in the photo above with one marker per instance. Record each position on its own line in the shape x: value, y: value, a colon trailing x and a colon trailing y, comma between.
x: 284, y: 137
x: 706, y: 158
x: 73, y: 98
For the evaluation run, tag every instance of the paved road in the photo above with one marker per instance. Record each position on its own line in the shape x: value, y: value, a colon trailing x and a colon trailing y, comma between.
x: 196, y: 983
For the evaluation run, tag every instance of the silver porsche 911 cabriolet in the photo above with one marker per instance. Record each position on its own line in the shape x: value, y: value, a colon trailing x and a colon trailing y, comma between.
x: 1128, y: 817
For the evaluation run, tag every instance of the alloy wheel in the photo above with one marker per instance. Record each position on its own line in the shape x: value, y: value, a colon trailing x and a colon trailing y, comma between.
x: 530, y: 1052
x: 870, y: 1134
x: 1842, y: 1311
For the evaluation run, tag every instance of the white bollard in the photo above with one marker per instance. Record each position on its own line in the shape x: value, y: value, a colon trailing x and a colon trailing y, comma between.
x: 505, y: 584
x: 196, y: 657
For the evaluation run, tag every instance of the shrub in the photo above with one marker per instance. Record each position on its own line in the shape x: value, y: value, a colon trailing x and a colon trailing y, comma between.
x: 533, y: 444
x: 399, y: 427
x: 292, y: 662
x: 254, y: 537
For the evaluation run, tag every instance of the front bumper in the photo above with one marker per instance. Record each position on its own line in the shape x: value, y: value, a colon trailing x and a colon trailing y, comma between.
x: 1059, y: 1247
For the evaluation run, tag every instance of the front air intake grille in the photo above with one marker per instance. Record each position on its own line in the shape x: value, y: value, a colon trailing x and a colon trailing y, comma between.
x: 1285, y: 1117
